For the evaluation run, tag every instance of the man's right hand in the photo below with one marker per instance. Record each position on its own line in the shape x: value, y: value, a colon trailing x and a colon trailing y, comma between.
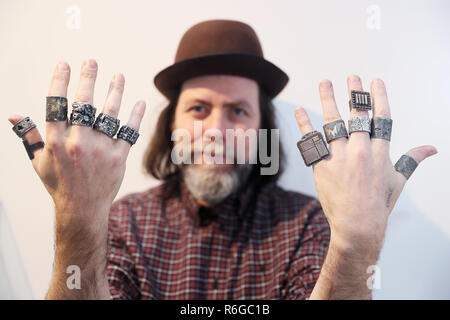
x: 82, y: 169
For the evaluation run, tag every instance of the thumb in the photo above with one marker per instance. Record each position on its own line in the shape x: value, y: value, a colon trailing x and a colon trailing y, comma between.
x: 418, y: 154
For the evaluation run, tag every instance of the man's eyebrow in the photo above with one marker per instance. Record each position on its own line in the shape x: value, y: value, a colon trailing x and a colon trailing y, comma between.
x: 232, y: 104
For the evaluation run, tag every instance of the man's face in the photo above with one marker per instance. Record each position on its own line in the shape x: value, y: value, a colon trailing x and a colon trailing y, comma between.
x: 218, y: 103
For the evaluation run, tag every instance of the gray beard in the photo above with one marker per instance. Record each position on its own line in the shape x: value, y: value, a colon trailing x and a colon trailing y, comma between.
x: 211, y: 185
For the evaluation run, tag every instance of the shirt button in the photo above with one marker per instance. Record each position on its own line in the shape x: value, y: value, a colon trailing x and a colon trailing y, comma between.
x: 216, y: 283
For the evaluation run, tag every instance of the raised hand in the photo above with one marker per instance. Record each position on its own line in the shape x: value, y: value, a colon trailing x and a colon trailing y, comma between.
x: 357, y: 186
x: 82, y: 168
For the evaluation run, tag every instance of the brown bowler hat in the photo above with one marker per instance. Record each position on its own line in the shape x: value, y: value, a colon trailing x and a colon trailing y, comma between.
x: 220, y: 47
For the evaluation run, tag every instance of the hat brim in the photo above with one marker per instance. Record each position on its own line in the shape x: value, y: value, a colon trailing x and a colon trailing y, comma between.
x: 268, y: 75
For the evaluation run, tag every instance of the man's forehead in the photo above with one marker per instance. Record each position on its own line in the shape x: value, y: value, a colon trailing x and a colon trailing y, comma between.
x: 229, y: 93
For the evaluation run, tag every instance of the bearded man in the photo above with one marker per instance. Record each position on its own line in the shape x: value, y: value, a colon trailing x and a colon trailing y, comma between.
x: 216, y: 229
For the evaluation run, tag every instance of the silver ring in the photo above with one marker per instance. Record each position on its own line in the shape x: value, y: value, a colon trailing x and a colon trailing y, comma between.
x: 129, y: 134
x: 312, y: 147
x: 83, y: 114
x: 335, y: 129
x: 107, y: 124
x: 406, y: 165
x: 359, y: 123
x: 56, y: 109
x: 381, y: 128
x: 360, y: 100
x: 23, y: 126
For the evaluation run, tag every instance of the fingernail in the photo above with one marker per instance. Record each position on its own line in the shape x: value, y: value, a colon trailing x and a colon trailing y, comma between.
x: 298, y: 111
x: 62, y: 66
x: 92, y: 63
x: 325, y: 84
x: 379, y: 82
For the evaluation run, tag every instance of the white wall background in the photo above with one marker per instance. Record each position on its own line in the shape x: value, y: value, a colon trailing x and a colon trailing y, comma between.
x: 406, y: 43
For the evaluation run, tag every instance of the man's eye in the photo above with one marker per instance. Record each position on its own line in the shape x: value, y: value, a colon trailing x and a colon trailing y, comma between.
x: 238, y: 111
x: 198, y: 108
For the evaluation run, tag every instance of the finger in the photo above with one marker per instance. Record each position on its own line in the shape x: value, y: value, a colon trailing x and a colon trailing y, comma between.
x: 379, y: 99
x: 115, y: 93
x: 303, y: 120
x: 58, y: 87
x: 380, y: 109
x: 135, y: 122
x: 354, y: 83
x: 31, y: 136
x: 329, y: 107
x: 85, y: 89
x: 418, y: 154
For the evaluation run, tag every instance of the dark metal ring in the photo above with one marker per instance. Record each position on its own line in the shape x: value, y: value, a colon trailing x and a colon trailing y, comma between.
x: 129, y: 134
x: 381, y: 128
x: 406, y: 165
x: 312, y: 147
x: 107, y: 124
x: 23, y: 126
x: 83, y: 114
x: 56, y: 109
x: 360, y: 100
x: 30, y: 148
x: 335, y: 129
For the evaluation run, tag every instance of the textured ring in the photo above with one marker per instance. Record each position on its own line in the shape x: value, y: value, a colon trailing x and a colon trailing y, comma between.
x: 360, y: 100
x: 312, y: 147
x: 129, y: 134
x: 406, y: 165
x: 107, y: 124
x: 381, y: 128
x: 359, y: 123
x: 335, y: 129
x: 23, y: 126
x: 56, y: 109
x: 83, y: 114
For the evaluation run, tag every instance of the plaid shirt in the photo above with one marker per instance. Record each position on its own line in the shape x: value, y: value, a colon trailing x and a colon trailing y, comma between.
x: 266, y: 243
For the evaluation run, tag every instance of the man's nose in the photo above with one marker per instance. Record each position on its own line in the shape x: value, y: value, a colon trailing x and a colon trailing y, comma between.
x: 215, y: 122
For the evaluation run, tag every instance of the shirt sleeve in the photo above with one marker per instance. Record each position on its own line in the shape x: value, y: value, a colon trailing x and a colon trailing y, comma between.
x: 121, y: 272
x: 309, y: 253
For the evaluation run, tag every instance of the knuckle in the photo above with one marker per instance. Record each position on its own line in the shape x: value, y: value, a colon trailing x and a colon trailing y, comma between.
x: 119, y: 82
x: 75, y: 149
x: 83, y: 97
x: 60, y: 76
x: 111, y: 109
x: 88, y: 74
x: 54, y: 144
x: 98, y: 151
x: 361, y: 155
x: 117, y: 160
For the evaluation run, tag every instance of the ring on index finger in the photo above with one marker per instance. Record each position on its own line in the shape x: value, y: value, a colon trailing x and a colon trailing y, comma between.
x: 56, y: 109
x: 312, y: 147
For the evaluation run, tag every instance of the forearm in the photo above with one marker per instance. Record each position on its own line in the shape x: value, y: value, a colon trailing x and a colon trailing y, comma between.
x: 344, y: 273
x: 83, y: 250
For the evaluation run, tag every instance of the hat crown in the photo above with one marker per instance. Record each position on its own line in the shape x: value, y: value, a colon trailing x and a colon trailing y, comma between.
x: 214, y: 37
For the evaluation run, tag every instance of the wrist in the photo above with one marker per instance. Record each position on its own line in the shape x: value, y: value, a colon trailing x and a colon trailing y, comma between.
x: 344, y: 273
